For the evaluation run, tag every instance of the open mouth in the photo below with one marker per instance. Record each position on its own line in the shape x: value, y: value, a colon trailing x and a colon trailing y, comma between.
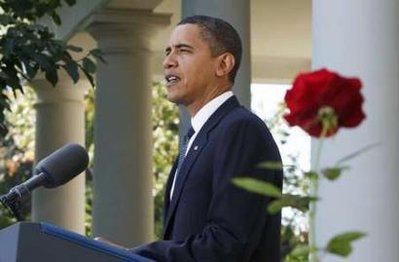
x: 171, y: 79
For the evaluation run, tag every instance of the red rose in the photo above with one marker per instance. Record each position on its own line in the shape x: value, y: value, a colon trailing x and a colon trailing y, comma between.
x: 324, y: 98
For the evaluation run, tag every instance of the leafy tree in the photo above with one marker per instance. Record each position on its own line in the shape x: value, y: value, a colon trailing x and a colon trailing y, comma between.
x: 28, y: 49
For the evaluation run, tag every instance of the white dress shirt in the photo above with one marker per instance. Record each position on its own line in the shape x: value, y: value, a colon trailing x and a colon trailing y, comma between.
x: 198, y: 121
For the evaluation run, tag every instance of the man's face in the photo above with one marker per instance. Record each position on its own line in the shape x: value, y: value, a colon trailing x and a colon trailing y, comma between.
x: 188, y: 66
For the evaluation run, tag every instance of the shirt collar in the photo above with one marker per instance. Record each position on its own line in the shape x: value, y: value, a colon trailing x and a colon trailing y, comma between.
x: 208, y: 109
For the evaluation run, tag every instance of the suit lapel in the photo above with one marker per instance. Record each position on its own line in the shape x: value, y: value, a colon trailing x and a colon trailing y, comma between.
x: 168, y: 185
x: 195, y: 149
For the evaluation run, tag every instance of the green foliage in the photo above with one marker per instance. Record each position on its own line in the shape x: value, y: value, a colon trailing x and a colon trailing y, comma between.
x: 271, y: 165
x: 28, y: 49
x: 338, y: 245
x: 333, y: 173
x: 299, y: 254
x: 16, y: 150
x: 32, y: 10
x: 292, y: 240
x: 165, y: 119
x: 89, y: 206
x: 89, y: 144
x: 267, y: 189
x: 257, y: 186
x: 293, y: 231
x: 311, y: 175
x: 295, y: 201
x: 342, y: 244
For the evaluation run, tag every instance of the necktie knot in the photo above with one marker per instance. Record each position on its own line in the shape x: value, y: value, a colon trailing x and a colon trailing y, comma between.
x: 184, y: 144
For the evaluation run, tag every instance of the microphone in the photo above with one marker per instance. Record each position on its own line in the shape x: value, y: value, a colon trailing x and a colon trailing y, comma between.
x: 52, y: 171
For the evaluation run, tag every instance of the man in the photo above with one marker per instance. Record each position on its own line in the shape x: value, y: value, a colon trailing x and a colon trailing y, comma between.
x: 207, y: 218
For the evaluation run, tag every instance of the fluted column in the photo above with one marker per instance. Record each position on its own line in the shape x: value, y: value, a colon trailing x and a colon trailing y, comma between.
x: 123, y: 201
x: 60, y: 120
x: 361, y: 38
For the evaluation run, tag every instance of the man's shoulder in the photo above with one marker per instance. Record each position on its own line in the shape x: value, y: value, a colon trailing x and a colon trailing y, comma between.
x: 240, y: 116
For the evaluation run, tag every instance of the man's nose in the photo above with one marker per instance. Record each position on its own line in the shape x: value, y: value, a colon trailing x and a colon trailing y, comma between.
x: 169, y: 61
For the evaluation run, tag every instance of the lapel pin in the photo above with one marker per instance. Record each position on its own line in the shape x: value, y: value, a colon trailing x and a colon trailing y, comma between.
x: 196, y: 147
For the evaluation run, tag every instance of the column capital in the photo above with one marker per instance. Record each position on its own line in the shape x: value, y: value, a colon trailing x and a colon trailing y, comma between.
x: 64, y: 91
x: 123, y: 31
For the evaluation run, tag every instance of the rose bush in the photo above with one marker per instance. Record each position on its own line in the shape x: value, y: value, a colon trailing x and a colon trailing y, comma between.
x: 319, y: 102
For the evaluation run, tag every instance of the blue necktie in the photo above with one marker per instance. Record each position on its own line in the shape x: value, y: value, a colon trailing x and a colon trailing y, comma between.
x: 182, y: 155
x: 183, y: 148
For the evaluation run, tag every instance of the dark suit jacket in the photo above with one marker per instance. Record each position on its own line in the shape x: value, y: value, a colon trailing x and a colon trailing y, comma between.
x: 210, y: 219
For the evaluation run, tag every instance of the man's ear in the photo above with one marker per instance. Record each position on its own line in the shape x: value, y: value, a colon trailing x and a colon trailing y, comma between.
x: 225, y: 64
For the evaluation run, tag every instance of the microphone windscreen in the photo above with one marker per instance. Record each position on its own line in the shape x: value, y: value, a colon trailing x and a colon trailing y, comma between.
x: 63, y: 165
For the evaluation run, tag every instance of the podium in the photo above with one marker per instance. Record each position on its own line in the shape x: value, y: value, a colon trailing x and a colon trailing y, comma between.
x: 31, y: 242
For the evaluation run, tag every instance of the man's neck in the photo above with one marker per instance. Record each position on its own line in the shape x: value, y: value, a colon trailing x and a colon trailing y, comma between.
x: 196, y: 106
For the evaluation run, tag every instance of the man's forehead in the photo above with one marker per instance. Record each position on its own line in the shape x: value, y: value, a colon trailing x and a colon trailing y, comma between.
x: 187, y: 34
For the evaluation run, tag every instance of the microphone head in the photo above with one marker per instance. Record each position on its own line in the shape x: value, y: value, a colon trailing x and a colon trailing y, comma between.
x: 63, y: 165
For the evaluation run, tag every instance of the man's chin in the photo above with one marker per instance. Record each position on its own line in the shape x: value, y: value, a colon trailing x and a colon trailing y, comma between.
x: 174, y: 99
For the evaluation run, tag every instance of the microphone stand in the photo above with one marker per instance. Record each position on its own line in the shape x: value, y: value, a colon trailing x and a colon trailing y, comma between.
x: 12, y: 206
x: 13, y: 199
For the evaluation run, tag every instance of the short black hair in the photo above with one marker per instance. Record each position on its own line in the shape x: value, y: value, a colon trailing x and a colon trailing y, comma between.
x: 221, y: 36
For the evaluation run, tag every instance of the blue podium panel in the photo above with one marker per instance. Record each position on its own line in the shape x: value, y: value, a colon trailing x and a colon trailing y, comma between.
x: 23, y: 242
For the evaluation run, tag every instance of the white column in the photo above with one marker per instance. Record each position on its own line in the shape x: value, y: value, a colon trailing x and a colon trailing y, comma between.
x: 123, y: 201
x: 237, y: 13
x: 60, y: 120
x: 361, y: 38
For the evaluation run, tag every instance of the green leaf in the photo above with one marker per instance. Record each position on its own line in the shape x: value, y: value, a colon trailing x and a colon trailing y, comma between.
x: 89, y: 77
x: 356, y: 153
x: 276, y: 205
x: 257, y: 186
x: 300, y: 251
x: 311, y: 175
x: 70, y: 2
x: 31, y: 71
x: 72, y: 69
x: 56, y: 18
x: 74, y: 48
x: 3, y: 128
x: 8, y: 47
x: 332, y: 173
x: 10, y: 76
x: 342, y: 244
x: 89, y: 65
x: 276, y: 165
x: 98, y: 53
x: 287, y: 200
x: 67, y: 55
x: 4, y: 103
x: 51, y: 76
x: 43, y: 61
x: 6, y: 19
